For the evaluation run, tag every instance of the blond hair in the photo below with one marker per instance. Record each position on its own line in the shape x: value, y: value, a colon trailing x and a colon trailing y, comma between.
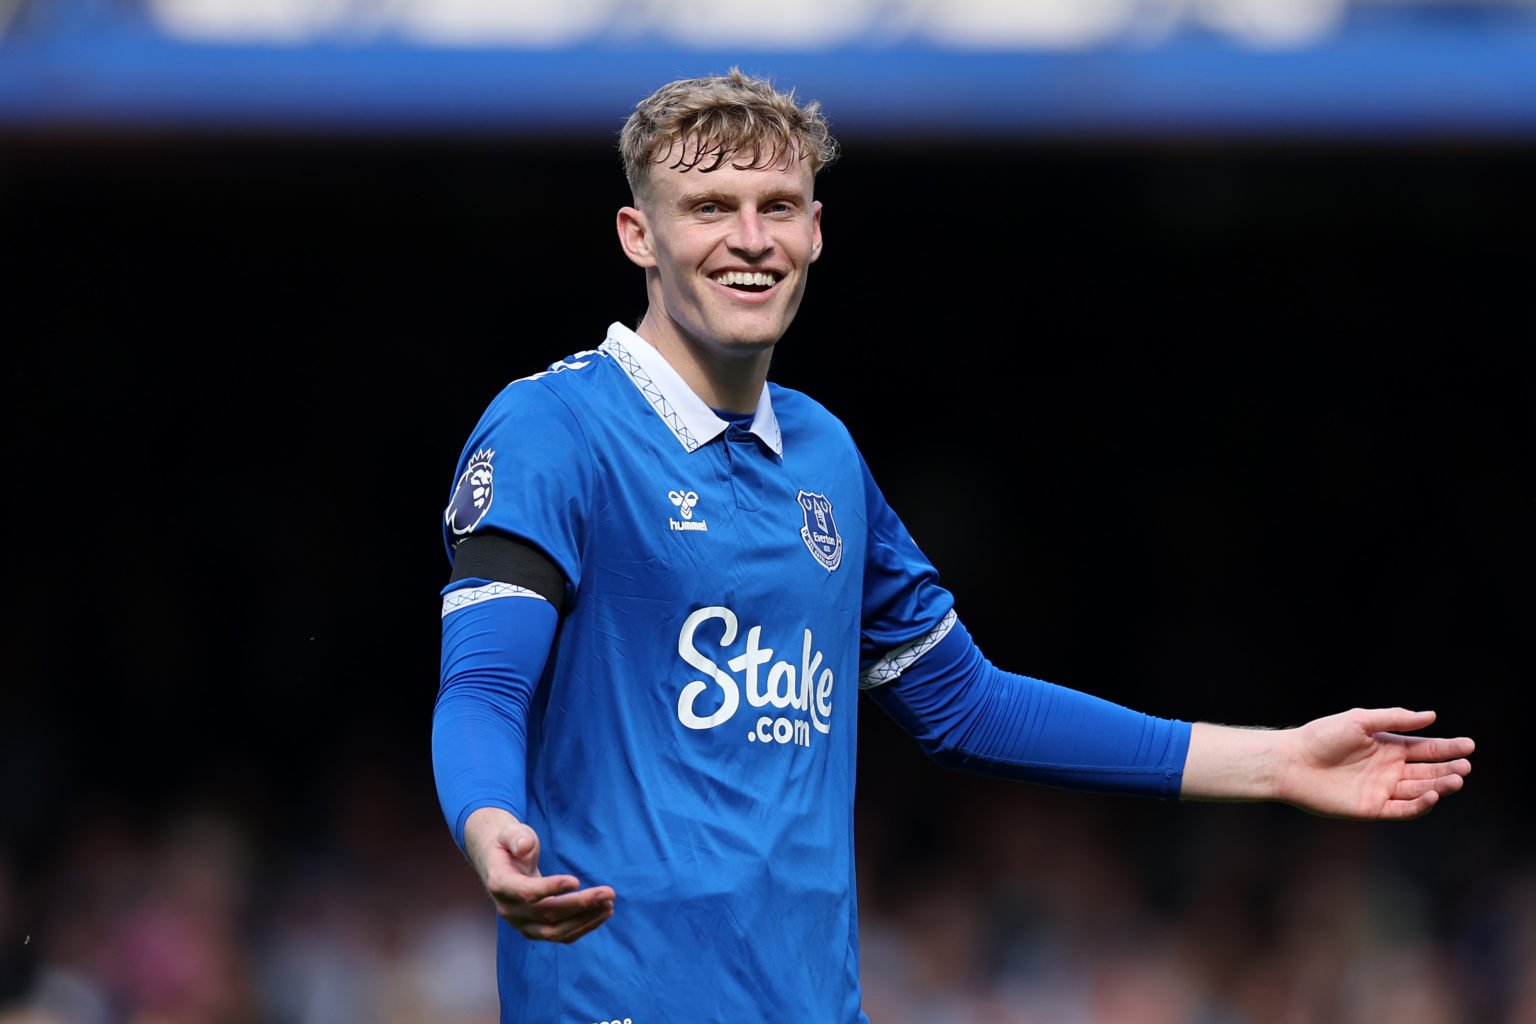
x: 706, y: 122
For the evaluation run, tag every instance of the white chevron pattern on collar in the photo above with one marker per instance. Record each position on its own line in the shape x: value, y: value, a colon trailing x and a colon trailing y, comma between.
x: 687, y: 415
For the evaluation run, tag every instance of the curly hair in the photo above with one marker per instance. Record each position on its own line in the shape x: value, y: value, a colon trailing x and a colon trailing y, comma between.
x: 704, y: 123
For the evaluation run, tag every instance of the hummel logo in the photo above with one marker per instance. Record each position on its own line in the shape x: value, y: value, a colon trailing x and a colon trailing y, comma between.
x: 685, y: 501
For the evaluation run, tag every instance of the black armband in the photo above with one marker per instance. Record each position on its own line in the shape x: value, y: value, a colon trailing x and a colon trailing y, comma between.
x: 508, y: 559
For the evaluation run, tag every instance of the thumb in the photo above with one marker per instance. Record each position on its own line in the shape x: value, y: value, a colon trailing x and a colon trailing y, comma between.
x: 522, y: 843
x: 1395, y: 720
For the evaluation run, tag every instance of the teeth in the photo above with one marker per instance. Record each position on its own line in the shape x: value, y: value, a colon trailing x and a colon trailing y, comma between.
x: 737, y: 277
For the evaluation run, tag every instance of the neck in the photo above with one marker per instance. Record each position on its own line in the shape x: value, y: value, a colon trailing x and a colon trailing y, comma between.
x: 724, y: 378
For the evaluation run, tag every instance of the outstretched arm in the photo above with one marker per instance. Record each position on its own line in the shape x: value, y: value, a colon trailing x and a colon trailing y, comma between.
x: 496, y: 640
x: 1355, y: 764
x: 970, y: 715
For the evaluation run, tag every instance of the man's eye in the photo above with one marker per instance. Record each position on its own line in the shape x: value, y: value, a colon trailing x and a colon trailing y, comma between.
x: 709, y: 209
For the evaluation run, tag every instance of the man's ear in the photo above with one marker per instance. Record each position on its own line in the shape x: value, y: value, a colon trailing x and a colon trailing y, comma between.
x: 635, y: 237
x: 815, y: 231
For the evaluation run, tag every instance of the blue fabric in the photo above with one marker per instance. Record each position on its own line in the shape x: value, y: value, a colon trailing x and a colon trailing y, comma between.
x: 530, y: 434
x: 970, y: 715
x: 493, y: 653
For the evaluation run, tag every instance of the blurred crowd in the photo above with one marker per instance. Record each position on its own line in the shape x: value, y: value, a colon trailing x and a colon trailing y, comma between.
x: 980, y: 903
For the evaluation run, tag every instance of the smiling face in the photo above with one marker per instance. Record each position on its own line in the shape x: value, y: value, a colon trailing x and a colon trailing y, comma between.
x: 726, y: 252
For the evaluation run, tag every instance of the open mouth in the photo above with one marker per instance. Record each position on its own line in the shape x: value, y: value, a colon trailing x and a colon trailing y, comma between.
x: 746, y: 281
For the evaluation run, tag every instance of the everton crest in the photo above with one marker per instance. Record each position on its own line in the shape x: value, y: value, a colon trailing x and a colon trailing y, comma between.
x: 472, y: 497
x: 820, y: 530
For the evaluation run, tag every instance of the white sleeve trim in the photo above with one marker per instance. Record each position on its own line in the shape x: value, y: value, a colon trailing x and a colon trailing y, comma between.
x: 898, y: 661
x: 456, y: 600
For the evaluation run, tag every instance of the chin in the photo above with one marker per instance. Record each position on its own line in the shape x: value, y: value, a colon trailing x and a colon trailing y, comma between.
x: 751, y: 342
x: 746, y: 336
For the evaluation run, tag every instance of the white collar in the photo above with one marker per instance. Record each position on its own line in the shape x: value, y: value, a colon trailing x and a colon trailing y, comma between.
x: 688, y: 416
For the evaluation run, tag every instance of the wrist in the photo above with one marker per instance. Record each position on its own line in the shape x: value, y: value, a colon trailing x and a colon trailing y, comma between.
x: 1227, y: 762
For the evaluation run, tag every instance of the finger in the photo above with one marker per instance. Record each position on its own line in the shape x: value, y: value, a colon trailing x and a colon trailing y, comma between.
x: 563, y: 919
x: 1430, y: 749
x: 513, y: 849
x: 524, y: 847
x: 589, y: 927
x: 1403, y: 810
x: 570, y: 904
x: 568, y: 930
x: 515, y: 887
x: 1435, y: 769
x: 1412, y: 789
x: 559, y: 907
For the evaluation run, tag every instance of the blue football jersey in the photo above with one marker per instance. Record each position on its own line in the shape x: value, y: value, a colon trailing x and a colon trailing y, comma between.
x: 692, y: 740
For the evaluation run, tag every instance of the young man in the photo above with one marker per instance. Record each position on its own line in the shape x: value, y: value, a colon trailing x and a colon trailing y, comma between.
x: 670, y: 579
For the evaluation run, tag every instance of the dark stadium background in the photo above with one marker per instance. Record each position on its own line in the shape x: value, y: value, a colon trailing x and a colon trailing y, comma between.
x: 1220, y: 428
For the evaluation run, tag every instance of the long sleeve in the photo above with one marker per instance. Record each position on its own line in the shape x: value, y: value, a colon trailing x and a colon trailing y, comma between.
x: 969, y: 714
x: 496, y: 640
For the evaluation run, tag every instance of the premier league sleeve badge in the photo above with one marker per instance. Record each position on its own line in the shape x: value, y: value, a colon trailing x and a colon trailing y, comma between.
x: 472, y: 496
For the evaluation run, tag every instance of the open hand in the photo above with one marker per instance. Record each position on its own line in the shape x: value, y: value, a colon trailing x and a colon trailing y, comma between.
x: 1357, y: 764
x: 505, y: 852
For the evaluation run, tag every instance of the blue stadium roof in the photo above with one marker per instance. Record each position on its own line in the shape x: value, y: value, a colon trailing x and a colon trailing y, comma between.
x: 78, y: 65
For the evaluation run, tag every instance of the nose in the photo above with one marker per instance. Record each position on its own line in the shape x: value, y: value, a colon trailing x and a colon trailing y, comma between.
x: 749, y: 234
